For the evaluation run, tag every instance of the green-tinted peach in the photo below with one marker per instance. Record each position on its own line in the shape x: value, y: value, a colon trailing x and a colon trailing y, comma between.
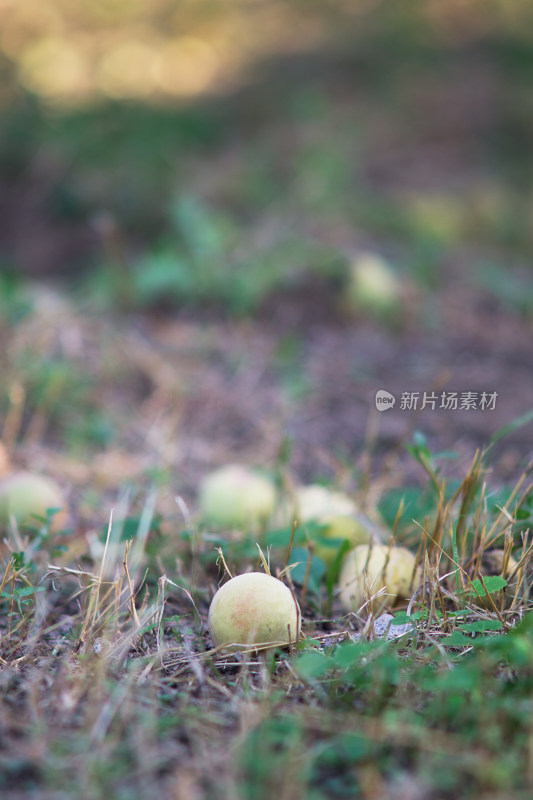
x: 349, y: 529
x: 253, y: 609
x: 236, y: 496
x: 338, y: 515
x: 372, y: 284
x: 25, y: 496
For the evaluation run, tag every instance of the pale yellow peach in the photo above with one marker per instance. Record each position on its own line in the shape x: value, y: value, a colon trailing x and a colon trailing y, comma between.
x: 376, y: 570
x: 253, y: 610
x: 236, y: 496
x: 26, y: 496
x: 339, y: 516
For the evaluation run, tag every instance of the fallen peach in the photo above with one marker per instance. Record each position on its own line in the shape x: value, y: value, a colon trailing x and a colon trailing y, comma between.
x: 369, y: 570
x: 373, y: 285
x: 26, y: 496
x: 236, y: 496
x: 339, y: 516
x: 253, y: 610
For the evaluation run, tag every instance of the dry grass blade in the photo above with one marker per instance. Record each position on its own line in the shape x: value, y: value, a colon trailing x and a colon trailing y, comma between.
x: 264, y: 562
x: 221, y: 557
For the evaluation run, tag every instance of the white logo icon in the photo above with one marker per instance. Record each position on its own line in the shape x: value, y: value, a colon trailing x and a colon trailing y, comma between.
x: 384, y: 400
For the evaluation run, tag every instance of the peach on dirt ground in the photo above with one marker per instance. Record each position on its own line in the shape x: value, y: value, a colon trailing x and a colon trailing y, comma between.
x: 25, y: 497
x: 339, y: 516
x: 236, y: 496
x: 253, y: 609
x: 369, y: 570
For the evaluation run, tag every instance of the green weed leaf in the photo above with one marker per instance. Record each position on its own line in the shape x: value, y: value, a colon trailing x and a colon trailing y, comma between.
x: 493, y: 583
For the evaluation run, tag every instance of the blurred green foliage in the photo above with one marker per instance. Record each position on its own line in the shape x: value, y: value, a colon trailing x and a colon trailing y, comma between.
x: 405, y: 124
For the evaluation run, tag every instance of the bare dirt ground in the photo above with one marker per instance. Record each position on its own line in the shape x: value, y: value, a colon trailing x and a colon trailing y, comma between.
x: 184, y: 395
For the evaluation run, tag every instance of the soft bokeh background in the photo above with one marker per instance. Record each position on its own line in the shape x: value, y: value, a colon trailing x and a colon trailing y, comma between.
x: 409, y: 121
x: 191, y: 182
